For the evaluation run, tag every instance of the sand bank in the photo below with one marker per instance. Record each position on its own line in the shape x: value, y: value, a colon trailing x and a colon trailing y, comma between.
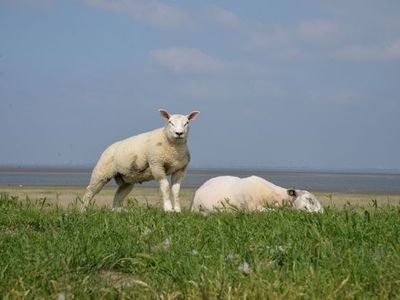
x: 69, y: 196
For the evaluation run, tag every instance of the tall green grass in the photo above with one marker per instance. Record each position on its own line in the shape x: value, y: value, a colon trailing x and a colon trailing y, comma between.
x: 48, y: 252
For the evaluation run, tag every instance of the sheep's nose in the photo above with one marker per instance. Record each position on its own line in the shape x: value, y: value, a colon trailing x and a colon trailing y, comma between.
x: 179, y: 133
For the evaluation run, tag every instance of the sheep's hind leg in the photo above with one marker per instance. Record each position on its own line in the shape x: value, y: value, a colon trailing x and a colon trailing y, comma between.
x: 93, y: 188
x: 123, y: 190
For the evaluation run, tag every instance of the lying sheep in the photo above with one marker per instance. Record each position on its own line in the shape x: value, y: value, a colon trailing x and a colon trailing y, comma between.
x: 152, y: 155
x: 251, y: 193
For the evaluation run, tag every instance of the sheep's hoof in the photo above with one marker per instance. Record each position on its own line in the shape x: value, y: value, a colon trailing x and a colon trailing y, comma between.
x: 168, y: 206
x: 177, y: 209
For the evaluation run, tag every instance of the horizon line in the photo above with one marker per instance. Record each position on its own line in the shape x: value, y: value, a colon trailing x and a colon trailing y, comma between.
x: 245, y: 169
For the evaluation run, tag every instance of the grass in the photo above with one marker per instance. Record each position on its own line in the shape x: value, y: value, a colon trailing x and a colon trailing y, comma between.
x: 52, y: 252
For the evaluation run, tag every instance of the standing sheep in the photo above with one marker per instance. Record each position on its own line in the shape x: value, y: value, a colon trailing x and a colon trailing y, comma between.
x: 151, y: 155
x: 251, y: 193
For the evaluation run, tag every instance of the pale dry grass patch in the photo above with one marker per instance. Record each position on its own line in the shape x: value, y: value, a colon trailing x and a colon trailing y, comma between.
x: 66, y: 196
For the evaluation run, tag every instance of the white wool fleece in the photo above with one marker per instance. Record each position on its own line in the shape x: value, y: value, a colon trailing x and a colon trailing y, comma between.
x: 152, y: 155
x: 251, y: 193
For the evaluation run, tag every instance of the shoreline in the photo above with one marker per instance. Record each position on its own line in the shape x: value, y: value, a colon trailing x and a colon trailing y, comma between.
x: 113, y: 186
x: 255, y: 171
x: 68, y: 196
x: 366, y: 183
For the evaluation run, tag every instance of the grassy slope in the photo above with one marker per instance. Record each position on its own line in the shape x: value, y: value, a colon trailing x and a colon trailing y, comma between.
x: 48, y: 252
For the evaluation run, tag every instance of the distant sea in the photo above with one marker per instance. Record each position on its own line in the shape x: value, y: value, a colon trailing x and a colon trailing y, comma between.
x: 314, y: 181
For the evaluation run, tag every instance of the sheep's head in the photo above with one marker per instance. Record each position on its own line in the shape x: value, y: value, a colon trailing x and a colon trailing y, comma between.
x: 177, y: 128
x: 304, y: 200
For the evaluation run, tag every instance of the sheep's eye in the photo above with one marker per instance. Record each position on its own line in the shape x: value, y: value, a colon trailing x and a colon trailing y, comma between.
x: 170, y: 122
x: 186, y: 123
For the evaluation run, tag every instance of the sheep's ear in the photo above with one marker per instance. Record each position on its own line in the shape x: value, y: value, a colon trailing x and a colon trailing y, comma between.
x: 192, y: 115
x: 291, y: 192
x: 164, y: 114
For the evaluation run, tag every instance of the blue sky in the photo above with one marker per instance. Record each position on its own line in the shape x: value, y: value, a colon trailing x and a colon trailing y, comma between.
x: 310, y: 84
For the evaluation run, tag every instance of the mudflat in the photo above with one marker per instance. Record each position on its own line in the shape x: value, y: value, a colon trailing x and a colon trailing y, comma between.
x: 68, y: 196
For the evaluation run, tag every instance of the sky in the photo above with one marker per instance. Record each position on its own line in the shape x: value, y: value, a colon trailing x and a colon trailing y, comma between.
x: 279, y: 84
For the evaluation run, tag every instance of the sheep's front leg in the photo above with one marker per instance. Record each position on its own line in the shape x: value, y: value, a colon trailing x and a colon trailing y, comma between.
x: 160, y: 175
x: 177, y: 178
x: 164, y: 187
